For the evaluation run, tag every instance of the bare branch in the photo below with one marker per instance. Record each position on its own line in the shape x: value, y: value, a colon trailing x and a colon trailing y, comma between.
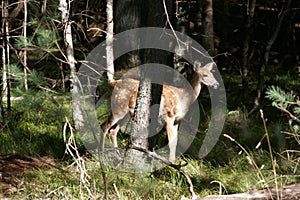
x: 293, y: 117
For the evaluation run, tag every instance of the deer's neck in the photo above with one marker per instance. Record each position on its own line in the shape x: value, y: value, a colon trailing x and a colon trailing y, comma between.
x: 196, y: 84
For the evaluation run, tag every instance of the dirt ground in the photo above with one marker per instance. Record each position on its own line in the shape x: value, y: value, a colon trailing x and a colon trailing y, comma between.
x: 14, y: 167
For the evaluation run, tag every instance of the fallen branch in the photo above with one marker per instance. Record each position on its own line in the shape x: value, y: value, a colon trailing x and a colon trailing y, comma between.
x: 290, y: 192
x: 178, y: 167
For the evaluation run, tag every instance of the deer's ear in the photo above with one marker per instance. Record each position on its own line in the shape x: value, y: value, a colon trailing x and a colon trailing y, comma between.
x: 197, y: 66
x: 209, y: 66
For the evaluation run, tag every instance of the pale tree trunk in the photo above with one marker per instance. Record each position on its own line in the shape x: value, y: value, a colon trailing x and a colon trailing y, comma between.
x: 43, y: 7
x: 25, y: 48
x: 245, y: 51
x: 109, y: 41
x: 64, y: 6
x: 208, y: 27
x: 5, y: 53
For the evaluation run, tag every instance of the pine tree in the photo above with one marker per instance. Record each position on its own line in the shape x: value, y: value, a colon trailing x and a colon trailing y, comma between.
x: 288, y: 103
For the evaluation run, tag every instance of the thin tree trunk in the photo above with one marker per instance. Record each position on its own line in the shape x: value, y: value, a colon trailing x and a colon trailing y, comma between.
x: 63, y: 80
x: 43, y: 7
x: 25, y: 49
x: 270, y: 42
x: 245, y: 51
x: 77, y: 112
x: 208, y: 27
x: 181, y: 16
x: 5, y: 53
x: 182, y: 26
x: 109, y: 41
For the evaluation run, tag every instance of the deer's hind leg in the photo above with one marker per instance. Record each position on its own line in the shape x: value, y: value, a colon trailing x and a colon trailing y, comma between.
x: 172, y: 132
x: 112, y: 125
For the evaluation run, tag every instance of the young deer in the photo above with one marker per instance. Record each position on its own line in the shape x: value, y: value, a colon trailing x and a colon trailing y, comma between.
x: 174, y: 104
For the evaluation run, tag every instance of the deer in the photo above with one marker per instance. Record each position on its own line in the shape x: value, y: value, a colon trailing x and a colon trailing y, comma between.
x: 174, y: 104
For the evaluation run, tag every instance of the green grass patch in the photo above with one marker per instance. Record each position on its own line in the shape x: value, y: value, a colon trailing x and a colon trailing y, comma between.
x: 34, y: 125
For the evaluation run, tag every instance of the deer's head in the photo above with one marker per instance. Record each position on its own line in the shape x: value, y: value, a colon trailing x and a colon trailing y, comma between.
x: 205, y: 74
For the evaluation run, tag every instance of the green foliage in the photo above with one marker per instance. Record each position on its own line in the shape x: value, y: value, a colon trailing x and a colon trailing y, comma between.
x: 46, y: 39
x: 34, y: 79
x: 43, y: 39
x: 279, y: 97
x: 297, y: 109
x: 34, y: 126
x: 289, y: 104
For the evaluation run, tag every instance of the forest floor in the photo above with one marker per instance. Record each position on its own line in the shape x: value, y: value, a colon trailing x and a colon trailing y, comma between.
x: 14, y: 167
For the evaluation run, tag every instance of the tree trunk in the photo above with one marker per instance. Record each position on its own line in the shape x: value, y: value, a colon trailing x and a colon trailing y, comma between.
x: 64, y: 6
x: 140, y: 124
x: 289, y: 192
x: 109, y: 40
x: 270, y: 42
x: 25, y: 48
x: 182, y: 26
x: 156, y: 17
x: 225, y: 25
x: 245, y: 50
x: 128, y: 15
x: 208, y: 27
x: 5, y: 53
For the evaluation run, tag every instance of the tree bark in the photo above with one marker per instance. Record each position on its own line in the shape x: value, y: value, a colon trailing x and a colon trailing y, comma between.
x: 208, y: 27
x: 128, y: 14
x: 25, y: 48
x: 245, y: 51
x: 109, y: 41
x: 140, y: 124
x: 270, y: 42
x: 64, y: 7
x: 5, y: 54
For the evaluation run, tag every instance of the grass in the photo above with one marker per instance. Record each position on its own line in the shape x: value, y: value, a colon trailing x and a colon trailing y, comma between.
x: 237, y: 176
x: 227, y: 169
x: 34, y: 126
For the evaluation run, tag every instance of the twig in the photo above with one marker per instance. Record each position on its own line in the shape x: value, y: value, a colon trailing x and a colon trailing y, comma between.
x: 293, y: 117
x: 252, y: 161
x: 117, y: 191
x: 270, y: 150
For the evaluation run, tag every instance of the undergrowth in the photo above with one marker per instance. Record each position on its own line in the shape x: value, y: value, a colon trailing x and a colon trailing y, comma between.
x: 238, y: 164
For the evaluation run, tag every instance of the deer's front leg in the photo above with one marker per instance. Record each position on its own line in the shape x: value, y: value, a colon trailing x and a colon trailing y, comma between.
x: 106, y: 126
x: 113, y: 136
x: 172, y: 132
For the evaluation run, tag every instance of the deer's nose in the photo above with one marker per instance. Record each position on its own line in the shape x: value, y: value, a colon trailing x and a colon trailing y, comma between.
x: 216, y: 85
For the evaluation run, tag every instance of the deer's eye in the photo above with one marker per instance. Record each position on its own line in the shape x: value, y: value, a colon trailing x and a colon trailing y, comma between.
x: 205, y: 75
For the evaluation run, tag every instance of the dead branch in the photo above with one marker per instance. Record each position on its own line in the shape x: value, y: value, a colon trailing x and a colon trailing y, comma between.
x: 290, y: 192
x: 178, y: 167
x: 293, y: 117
